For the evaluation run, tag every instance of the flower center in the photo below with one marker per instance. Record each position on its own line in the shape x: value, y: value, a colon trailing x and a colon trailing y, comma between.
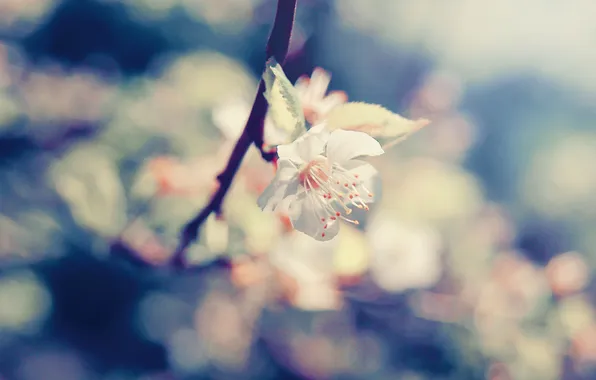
x: 331, y: 189
x: 313, y: 173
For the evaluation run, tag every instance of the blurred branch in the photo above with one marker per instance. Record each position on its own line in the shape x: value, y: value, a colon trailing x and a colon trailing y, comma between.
x: 277, y: 47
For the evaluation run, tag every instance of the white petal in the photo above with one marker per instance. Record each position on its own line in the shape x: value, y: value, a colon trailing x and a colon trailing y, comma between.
x: 319, y: 82
x: 345, y: 145
x: 306, y: 147
x: 331, y: 101
x: 287, y: 174
x: 368, y: 175
x: 306, y: 214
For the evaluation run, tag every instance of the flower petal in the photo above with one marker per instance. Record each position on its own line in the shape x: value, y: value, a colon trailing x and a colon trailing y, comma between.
x: 306, y: 215
x: 368, y: 175
x: 345, y: 145
x: 319, y: 82
x: 306, y: 147
x: 287, y: 175
x: 331, y: 101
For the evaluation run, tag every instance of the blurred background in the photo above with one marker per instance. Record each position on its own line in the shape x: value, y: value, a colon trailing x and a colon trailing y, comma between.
x: 477, y: 262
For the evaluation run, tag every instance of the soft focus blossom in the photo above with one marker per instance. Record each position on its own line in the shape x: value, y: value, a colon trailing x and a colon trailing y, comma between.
x: 169, y: 176
x: 14, y: 11
x: 404, y: 256
x: 319, y: 177
x: 309, y: 265
x: 583, y: 346
x: 24, y: 302
x: 231, y: 116
x: 316, y: 102
x: 54, y: 95
x: 567, y: 273
x: 501, y: 301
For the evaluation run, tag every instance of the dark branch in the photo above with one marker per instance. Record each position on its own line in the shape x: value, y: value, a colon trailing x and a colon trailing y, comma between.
x: 277, y: 46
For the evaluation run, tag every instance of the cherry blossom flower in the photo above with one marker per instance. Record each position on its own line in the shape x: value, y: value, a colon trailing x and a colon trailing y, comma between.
x: 230, y: 117
x: 316, y: 102
x: 404, y: 256
x: 319, y: 181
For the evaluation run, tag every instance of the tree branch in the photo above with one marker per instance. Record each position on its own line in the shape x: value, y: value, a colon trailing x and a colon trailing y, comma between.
x: 277, y: 47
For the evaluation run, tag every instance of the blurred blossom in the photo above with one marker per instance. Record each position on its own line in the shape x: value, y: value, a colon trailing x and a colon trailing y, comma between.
x: 230, y: 117
x: 309, y: 265
x: 9, y: 110
x: 216, y: 234
x: 439, y: 307
x: 52, y: 95
x: 10, y: 66
x: 560, y: 180
x: 168, y: 175
x: 28, y: 235
x: 567, y: 273
x: 145, y: 242
x: 440, y: 92
x: 513, y: 290
x: 16, y: 13
x: 205, y: 79
x: 24, y: 302
x: 186, y: 352
x: 227, y: 15
x: 351, y: 255
x: 222, y: 330
x: 452, y: 133
x: 305, y: 272
x: 88, y: 181
x: 148, y: 9
x: 537, y: 358
x: 230, y: 15
x: 316, y: 357
x: 583, y: 346
x: 430, y: 191
x: 575, y: 314
x: 161, y: 315
x: 11, y: 234
x: 498, y: 371
x: 473, y: 243
x: 404, y: 256
x: 173, y: 106
x: 315, y: 100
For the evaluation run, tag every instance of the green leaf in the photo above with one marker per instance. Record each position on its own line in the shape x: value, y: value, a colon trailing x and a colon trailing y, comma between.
x: 285, y: 109
x: 375, y: 120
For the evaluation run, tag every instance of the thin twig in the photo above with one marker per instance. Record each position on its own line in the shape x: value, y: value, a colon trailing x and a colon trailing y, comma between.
x: 277, y: 47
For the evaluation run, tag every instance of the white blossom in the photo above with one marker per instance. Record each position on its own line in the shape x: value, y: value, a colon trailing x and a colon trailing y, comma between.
x: 310, y: 96
x: 316, y: 102
x: 404, y: 256
x: 319, y: 180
